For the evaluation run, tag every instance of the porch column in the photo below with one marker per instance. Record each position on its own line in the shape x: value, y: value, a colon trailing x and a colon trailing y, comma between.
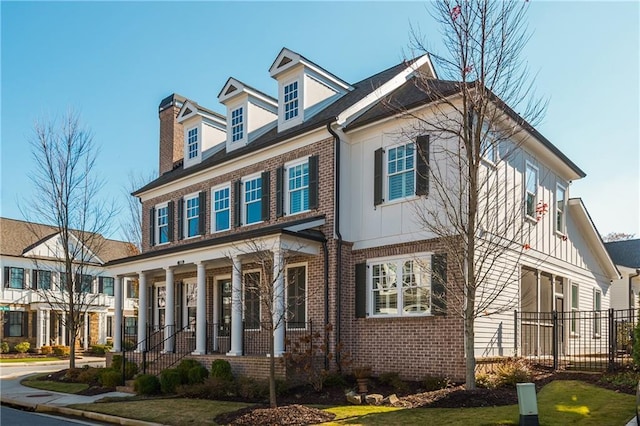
x: 85, y: 332
x: 47, y: 327
x: 170, y: 311
x: 117, y: 325
x: 278, y: 302
x: 201, y: 311
x: 142, y: 310
x: 63, y: 329
x: 236, y: 308
x: 215, y: 315
x: 40, y: 328
x: 101, y: 336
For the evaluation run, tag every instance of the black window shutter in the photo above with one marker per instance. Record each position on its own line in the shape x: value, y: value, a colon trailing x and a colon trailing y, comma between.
x: 34, y: 323
x: 361, y: 290
x: 313, y: 182
x: 100, y: 284
x: 237, y: 203
x: 266, y: 196
x: 422, y: 162
x: 170, y: 218
x: 34, y: 279
x: 7, y: 323
x: 25, y: 324
x: 202, y: 217
x: 439, y: 284
x: 377, y: 177
x: 280, y: 191
x: 6, y: 277
x: 180, y: 216
x: 152, y: 226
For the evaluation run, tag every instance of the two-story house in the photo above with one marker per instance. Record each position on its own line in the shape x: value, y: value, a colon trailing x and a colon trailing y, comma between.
x: 324, y: 180
x: 31, y: 293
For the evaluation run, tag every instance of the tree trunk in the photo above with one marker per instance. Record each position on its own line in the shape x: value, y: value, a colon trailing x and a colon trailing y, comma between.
x: 272, y: 371
x: 469, y: 341
x: 72, y: 350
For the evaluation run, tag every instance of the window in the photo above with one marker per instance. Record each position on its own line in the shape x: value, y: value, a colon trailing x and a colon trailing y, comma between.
x: 109, y: 326
x: 192, y: 214
x: 237, y: 125
x: 399, y: 287
x: 401, y: 171
x: 43, y: 279
x: 163, y: 224
x: 130, y: 326
x: 84, y: 283
x: 531, y: 190
x: 14, y: 277
x: 221, y: 209
x: 192, y: 142
x: 298, y: 187
x: 597, y: 307
x: 560, y: 207
x: 291, y: 100
x: 574, y: 308
x: 296, y: 297
x: 107, y: 286
x: 253, y: 200
x: 16, y: 324
x: 252, y: 300
x: 132, y: 289
x: 191, y: 293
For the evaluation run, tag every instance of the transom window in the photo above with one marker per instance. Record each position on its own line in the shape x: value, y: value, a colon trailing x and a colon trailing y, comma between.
x: 298, y: 187
x: 401, y: 171
x: 253, y: 200
x: 221, y: 209
x: 296, y: 296
x: 251, y: 298
x: 192, y: 207
x: 291, y: 100
x: 400, y: 287
x: 163, y: 224
x: 560, y: 206
x: 14, y: 278
x: 237, y: 124
x: 192, y: 142
x: 531, y: 192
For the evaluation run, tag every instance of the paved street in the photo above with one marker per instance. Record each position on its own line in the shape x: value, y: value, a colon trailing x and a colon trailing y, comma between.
x: 13, y: 417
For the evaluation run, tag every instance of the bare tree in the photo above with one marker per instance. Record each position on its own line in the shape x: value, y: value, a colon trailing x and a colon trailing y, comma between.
x: 617, y: 236
x: 131, y: 224
x: 66, y: 198
x: 474, y: 128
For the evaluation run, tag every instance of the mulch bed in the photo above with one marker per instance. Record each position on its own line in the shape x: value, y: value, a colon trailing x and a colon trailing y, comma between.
x: 285, y: 415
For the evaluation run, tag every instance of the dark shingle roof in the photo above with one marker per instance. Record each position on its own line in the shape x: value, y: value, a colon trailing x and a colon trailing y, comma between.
x: 327, y: 115
x: 625, y: 253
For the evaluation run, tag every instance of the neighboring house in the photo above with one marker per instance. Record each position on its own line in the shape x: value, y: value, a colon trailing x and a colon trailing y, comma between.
x: 29, y: 268
x: 323, y: 177
x: 626, y: 290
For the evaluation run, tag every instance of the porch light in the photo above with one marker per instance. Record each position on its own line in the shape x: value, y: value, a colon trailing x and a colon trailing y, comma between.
x: 528, y: 404
x: 180, y: 262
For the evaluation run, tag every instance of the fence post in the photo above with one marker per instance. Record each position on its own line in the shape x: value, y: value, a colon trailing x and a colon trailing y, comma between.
x: 124, y: 349
x: 555, y: 340
x: 612, y: 340
x: 515, y: 333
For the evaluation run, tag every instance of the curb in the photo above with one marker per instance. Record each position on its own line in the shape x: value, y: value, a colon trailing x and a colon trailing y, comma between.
x: 93, y: 416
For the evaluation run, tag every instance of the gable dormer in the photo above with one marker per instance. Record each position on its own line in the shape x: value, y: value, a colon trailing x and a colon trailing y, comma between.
x: 303, y: 88
x: 248, y: 112
x: 203, y: 129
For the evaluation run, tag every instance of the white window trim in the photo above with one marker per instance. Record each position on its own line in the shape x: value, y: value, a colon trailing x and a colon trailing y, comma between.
x: 306, y: 291
x: 196, y: 142
x: 385, y: 174
x: 419, y: 259
x: 575, y: 333
x: 597, y: 333
x: 156, y: 309
x: 526, y: 192
x: 285, y: 124
x: 244, y: 180
x: 244, y: 308
x: 284, y: 103
x: 213, y: 211
x: 157, y: 223
x: 185, y: 309
x: 563, y: 230
x: 287, y: 166
x: 185, y: 221
x: 243, y: 107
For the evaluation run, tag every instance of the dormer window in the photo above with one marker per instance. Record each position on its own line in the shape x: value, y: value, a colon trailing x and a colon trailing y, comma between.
x: 237, y: 125
x: 291, y: 100
x: 192, y: 142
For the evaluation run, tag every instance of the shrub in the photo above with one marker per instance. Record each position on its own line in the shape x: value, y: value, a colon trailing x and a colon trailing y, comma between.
x: 211, y: 388
x: 251, y: 388
x: 116, y: 362
x: 46, y: 350
x: 89, y: 375
x: 147, y: 384
x: 72, y: 374
x: 486, y: 381
x: 512, y: 371
x: 169, y: 380
x: 130, y: 370
x: 221, y: 369
x: 60, y: 350
x: 184, y: 367
x: 636, y: 343
x: 393, y: 379
x: 432, y: 383
x: 335, y: 380
x: 99, y: 349
x: 22, y: 347
x: 197, y: 374
x: 111, y: 378
x: 4, y: 347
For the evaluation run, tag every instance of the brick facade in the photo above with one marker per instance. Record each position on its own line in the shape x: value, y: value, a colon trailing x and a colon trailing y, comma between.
x: 171, y: 138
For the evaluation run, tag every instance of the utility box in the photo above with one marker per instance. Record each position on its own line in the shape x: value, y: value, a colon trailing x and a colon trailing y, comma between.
x: 528, y: 404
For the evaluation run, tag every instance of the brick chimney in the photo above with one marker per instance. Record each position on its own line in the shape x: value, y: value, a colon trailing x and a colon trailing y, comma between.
x: 171, y: 133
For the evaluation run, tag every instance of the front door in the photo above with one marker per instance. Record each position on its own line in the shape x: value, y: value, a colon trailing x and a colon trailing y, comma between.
x: 223, y: 321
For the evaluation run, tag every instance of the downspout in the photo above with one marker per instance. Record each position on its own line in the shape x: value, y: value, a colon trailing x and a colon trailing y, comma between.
x: 325, y: 249
x: 336, y: 222
x: 631, y: 277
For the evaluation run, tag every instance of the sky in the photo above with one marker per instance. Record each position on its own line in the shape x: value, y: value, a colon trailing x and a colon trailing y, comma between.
x: 113, y: 62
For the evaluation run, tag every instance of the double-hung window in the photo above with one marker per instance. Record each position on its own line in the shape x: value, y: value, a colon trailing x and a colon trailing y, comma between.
x: 575, y: 294
x: 597, y: 317
x: 192, y: 214
x: 107, y: 286
x: 14, y: 277
x: 221, y: 209
x: 291, y: 100
x: 296, y: 296
x: 251, y: 300
x: 16, y: 323
x: 399, y: 287
x: 43, y: 279
x: 401, y: 174
x: 237, y: 124
x: 130, y: 326
x: 560, y: 208
x: 162, y: 220
x: 488, y: 145
x: 85, y: 283
x: 192, y: 142
x: 253, y: 200
x: 298, y: 187
x: 531, y: 190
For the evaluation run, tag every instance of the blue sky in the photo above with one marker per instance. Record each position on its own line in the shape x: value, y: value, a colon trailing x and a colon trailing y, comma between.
x: 113, y: 62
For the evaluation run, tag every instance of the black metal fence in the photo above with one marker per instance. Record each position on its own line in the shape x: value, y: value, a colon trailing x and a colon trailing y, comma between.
x: 576, y: 340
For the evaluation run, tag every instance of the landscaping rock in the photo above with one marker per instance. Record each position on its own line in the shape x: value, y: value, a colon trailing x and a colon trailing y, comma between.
x: 354, y: 398
x: 391, y: 400
x: 374, y: 399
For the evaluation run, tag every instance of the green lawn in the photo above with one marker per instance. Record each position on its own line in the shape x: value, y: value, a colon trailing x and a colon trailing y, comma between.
x: 35, y: 382
x: 10, y: 360
x: 559, y: 403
